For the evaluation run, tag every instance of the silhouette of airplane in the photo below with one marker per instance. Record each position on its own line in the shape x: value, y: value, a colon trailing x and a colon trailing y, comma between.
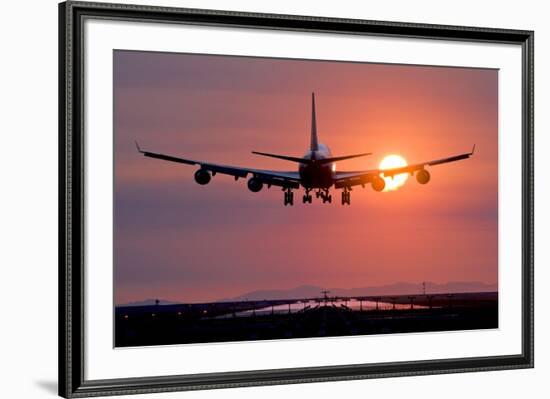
x: 316, y: 171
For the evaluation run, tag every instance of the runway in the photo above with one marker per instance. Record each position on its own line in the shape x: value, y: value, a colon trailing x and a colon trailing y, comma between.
x: 302, y: 318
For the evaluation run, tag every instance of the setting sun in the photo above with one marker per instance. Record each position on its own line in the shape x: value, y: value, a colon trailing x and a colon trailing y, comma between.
x: 394, y: 161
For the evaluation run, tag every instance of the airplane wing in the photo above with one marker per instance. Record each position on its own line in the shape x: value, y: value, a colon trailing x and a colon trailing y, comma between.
x: 269, y: 177
x: 349, y: 179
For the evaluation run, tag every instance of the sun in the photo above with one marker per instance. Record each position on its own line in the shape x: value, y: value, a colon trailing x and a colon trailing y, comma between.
x: 390, y: 162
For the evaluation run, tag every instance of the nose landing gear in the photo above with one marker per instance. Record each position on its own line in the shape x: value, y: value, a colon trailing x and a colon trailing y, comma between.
x: 326, y: 196
x: 307, y: 198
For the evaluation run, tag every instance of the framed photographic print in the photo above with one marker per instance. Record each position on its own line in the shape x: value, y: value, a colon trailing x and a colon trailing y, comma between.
x: 253, y: 199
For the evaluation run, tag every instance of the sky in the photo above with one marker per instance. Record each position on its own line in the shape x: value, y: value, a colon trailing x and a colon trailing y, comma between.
x: 179, y: 241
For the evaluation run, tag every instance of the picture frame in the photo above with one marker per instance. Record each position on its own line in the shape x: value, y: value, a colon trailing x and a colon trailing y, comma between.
x: 72, y: 205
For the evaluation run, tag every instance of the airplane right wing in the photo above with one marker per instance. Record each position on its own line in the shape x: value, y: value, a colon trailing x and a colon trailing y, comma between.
x: 349, y: 179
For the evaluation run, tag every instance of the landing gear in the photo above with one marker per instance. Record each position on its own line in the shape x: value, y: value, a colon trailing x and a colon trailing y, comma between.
x: 307, y: 197
x: 289, y: 197
x: 326, y: 196
x: 346, y: 197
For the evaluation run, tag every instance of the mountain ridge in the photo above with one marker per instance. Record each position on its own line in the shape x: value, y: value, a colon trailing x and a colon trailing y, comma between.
x: 400, y: 288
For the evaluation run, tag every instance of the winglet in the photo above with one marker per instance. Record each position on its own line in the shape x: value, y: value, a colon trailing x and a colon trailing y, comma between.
x: 473, y: 149
x: 138, y: 147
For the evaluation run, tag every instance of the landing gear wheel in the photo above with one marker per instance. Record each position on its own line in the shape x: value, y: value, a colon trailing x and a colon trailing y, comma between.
x: 289, y: 198
x: 325, y: 196
x: 346, y: 197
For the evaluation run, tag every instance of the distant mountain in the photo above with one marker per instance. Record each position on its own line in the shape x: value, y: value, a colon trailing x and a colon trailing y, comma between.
x: 148, y: 302
x: 402, y: 288
x: 302, y: 291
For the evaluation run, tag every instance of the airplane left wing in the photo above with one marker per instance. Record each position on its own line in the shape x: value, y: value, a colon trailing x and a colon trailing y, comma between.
x: 269, y: 177
x: 349, y: 179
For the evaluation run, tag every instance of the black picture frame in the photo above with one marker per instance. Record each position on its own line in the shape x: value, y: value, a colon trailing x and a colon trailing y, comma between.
x: 71, y: 200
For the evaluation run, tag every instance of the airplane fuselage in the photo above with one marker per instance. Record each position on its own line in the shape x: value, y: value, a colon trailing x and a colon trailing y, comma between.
x: 317, y: 175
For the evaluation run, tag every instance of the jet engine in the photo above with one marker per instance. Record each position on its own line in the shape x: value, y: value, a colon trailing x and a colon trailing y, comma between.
x: 423, y: 176
x: 202, y: 176
x: 255, y: 184
x: 378, y: 183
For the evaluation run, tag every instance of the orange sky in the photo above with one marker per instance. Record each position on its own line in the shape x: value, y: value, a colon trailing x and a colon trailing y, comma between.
x: 179, y: 241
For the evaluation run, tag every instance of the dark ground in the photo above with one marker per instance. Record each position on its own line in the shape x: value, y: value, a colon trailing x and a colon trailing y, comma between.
x: 197, y: 323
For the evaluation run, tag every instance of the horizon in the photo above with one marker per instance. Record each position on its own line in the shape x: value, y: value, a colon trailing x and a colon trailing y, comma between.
x: 242, y: 296
x: 199, y: 243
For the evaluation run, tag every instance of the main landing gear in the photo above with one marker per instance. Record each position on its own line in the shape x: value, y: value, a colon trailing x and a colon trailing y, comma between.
x: 289, y: 197
x: 307, y: 197
x: 346, y: 197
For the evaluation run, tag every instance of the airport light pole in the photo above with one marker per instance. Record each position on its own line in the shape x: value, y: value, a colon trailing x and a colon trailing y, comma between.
x: 325, y: 292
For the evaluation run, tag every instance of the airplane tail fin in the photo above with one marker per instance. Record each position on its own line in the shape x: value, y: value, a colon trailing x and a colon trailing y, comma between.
x: 314, y: 145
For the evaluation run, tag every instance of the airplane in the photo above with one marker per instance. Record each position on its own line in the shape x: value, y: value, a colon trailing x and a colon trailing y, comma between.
x: 316, y: 171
